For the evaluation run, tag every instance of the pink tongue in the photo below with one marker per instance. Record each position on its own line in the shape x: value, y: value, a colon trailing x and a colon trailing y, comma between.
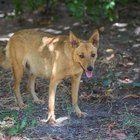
x: 89, y: 74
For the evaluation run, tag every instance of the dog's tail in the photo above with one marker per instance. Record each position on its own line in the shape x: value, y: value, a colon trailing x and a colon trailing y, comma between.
x: 4, y: 62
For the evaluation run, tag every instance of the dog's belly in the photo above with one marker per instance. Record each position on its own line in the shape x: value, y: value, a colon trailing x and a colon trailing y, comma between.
x: 40, y: 67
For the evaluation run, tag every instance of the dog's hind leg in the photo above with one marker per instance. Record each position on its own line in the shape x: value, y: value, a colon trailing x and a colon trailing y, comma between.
x: 17, y: 70
x: 31, y: 88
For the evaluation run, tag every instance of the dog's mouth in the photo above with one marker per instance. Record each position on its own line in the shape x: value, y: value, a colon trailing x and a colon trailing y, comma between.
x: 89, y: 74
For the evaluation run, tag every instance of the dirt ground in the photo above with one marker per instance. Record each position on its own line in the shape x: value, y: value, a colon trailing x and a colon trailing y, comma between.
x: 111, y: 98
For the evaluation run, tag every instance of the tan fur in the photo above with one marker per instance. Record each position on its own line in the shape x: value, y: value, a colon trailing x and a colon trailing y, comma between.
x: 51, y: 57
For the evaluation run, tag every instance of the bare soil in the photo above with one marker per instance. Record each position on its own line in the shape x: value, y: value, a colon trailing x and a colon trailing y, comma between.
x: 111, y: 98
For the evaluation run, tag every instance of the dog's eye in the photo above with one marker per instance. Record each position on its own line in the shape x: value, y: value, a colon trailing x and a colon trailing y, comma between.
x: 92, y: 55
x: 81, y: 56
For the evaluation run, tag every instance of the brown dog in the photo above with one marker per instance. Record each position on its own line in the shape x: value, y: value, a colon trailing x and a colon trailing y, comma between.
x: 53, y: 57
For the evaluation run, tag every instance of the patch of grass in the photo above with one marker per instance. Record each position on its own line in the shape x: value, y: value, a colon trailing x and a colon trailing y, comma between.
x: 131, y: 124
x: 14, y: 122
x: 98, y: 138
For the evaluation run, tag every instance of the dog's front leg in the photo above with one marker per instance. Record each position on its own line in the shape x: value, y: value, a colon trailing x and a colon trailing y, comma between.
x: 51, y: 101
x: 75, y: 81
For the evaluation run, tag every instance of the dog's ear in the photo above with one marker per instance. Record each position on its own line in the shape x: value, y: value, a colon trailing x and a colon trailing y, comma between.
x: 94, y: 39
x: 74, y: 40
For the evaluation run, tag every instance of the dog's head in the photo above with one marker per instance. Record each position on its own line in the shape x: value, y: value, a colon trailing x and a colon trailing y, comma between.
x: 85, y: 52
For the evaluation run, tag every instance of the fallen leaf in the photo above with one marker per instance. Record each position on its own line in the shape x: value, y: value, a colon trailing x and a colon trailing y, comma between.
x: 121, y: 136
x: 109, y: 50
x: 134, y: 96
x: 101, y: 29
x: 110, y: 127
x: 2, y: 137
x: 110, y: 57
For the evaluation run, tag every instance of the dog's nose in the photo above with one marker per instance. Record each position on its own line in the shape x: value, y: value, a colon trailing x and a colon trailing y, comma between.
x: 89, y: 68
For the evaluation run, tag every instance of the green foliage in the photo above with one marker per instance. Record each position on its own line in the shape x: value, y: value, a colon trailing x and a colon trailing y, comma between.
x: 34, y: 4
x: 133, y: 85
x: 19, y: 127
x: 77, y: 8
x: 8, y: 113
x: 107, y: 83
x: 18, y: 8
x: 136, y: 84
x: 87, y: 10
x: 21, y: 120
x: 131, y: 124
x: 98, y: 138
x: 31, y: 4
x: 93, y: 10
x: 109, y: 78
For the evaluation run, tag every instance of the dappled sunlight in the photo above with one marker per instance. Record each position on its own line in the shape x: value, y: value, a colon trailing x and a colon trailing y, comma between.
x: 136, y: 45
x: 130, y: 63
x: 66, y: 28
x: 3, y: 39
x: 122, y: 29
x: 120, y: 25
x: 11, y: 13
x: 137, y: 70
x: 1, y: 15
x: 109, y: 50
x: 50, y: 30
x: 76, y: 24
x: 30, y: 20
x: 48, y: 41
x: 60, y: 121
x: 137, y: 31
x: 10, y: 34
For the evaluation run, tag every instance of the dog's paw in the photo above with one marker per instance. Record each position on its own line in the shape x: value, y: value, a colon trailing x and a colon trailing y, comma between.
x: 78, y: 112
x: 38, y: 101
x: 81, y: 114
x: 22, y: 105
x: 51, y: 119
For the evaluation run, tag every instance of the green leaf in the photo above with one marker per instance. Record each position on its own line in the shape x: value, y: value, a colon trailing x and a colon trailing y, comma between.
x: 27, y: 138
x: 13, y: 131
x: 34, y: 122
x: 136, y: 84
x: 23, y: 124
x: 117, y: 74
x: 110, y: 74
x: 110, y: 5
x: 77, y: 8
x: 107, y: 82
x: 126, y: 120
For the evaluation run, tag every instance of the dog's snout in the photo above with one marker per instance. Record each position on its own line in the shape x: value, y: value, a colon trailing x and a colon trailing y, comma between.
x: 89, y: 68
